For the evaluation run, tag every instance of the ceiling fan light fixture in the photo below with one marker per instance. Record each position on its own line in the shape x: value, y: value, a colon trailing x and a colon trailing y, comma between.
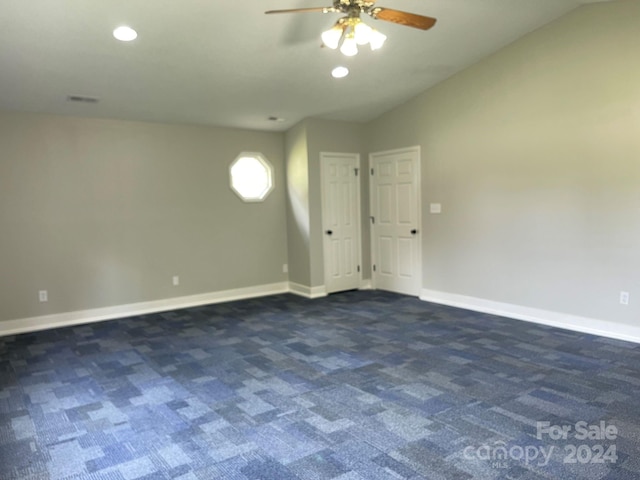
x: 376, y: 39
x: 362, y: 33
x: 349, y: 46
x: 348, y: 33
x: 353, y: 32
x: 331, y: 38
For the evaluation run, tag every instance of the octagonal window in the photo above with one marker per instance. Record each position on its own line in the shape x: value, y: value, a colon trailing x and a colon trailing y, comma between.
x: 251, y: 177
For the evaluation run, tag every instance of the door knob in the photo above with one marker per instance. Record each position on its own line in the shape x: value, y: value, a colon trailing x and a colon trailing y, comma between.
x: 414, y: 231
x: 329, y: 232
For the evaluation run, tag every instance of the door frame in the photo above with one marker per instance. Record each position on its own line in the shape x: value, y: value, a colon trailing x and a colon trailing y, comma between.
x: 358, y: 212
x: 413, y: 149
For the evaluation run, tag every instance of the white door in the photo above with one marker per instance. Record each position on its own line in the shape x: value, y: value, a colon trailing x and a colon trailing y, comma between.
x: 341, y: 220
x: 395, y: 217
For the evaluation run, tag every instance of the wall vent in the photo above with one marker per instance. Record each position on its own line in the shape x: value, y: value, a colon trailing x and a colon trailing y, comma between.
x: 82, y: 99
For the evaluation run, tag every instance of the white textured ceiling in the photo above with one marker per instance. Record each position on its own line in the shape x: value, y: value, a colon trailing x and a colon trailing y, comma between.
x: 226, y: 63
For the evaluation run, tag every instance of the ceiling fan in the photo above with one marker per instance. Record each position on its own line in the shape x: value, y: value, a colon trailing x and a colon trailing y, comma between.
x: 350, y: 31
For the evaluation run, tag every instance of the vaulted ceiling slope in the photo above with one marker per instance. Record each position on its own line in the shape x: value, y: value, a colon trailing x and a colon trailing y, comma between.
x: 226, y: 63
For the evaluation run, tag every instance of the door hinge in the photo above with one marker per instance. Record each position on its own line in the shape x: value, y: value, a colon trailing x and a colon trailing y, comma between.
x: 374, y: 267
x: 372, y: 171
x: 356, y: 170
x: 358, y: 268
x: 373, y: 219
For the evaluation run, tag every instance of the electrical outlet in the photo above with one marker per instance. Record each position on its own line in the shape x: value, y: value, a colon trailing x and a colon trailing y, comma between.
x: 176, y: 280
x: 285, y: 268
x: 43, y: 296
x: 624, y: 298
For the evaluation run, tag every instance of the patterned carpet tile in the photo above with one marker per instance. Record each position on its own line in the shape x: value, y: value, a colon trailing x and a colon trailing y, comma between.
x: 355, y: 386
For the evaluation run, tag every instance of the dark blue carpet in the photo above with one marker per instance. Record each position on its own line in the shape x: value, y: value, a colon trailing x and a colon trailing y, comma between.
x: 355, y: 386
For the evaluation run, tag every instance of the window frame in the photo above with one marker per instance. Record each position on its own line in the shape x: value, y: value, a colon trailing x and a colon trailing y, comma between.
x: 269, y: 171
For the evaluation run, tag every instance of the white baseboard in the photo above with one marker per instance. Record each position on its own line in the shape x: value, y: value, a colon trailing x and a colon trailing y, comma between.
x: 23, y: 325
x: 307, y: 292
x: 321, y: 291
x: 544, y: 317
x: 576, y: 323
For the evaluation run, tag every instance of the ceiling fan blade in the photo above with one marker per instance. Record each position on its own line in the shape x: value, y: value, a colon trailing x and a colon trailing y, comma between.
x: 403, y: 18
x: 299, y: 10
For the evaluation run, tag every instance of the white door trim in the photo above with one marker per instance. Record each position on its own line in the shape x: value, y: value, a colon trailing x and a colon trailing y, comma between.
x: 358, y: 211
x: 412, y: 149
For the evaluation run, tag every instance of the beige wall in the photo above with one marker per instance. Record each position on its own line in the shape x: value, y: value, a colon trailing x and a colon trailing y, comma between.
x: 298, y: 208
x: 534, y: 154
x: 303, y: 145
x: 103, y: 213
x: 341, y: 137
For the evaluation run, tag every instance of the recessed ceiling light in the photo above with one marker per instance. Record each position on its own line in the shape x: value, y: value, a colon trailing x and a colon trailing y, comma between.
x: 339, y: 72
x: 273, y: 118
x: 125, y: 34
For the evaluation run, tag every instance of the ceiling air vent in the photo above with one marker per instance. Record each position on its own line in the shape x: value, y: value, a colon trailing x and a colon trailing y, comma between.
x: 82, y: 99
